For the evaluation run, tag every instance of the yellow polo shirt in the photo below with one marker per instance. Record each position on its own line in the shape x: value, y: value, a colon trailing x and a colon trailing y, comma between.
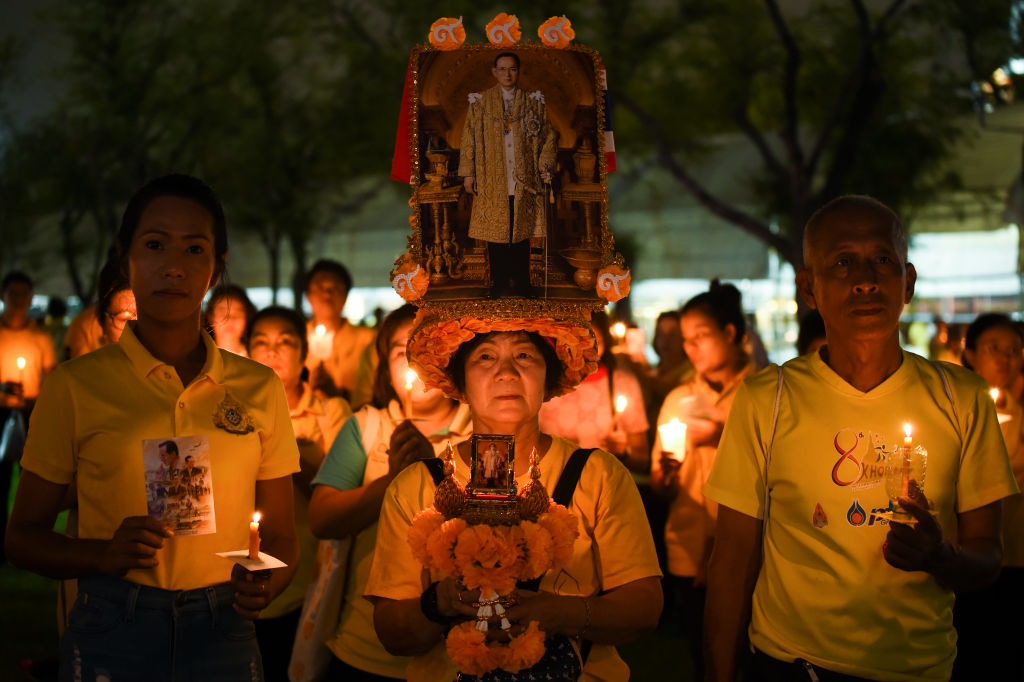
x: 825, y: 592
x: 94, y: 413
x: 614, y: 547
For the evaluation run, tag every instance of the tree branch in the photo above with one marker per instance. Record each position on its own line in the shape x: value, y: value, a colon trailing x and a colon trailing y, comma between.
x: 868, y: 94
x: 790, y: 127
x: 712, y: 203
x: 742, y: 119
x: 856, y: 75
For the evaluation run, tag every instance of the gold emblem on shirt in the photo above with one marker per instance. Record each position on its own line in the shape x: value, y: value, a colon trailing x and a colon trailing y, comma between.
x: 231, y: 417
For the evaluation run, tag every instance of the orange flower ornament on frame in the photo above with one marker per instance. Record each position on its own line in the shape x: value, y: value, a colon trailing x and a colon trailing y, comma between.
x: 410, y: 279
x: 503, y: 30
x: 556, y: 32
x: 447, y: 33
x: 613, y: 282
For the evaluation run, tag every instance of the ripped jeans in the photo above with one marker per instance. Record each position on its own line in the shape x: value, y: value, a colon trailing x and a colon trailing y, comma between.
x: 118, y: 630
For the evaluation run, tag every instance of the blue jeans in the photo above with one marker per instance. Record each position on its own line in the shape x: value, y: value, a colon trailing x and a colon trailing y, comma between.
x: 118, y: 630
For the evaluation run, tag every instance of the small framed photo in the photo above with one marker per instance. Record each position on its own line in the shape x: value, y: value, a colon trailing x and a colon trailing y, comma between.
x: 493, y: 465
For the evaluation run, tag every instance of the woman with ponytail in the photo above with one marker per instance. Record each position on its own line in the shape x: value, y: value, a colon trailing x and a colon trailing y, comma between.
x: 713, y: 329
x: 155, y: 601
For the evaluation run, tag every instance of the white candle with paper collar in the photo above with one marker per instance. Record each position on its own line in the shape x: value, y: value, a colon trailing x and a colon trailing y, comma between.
x: 673, y: 438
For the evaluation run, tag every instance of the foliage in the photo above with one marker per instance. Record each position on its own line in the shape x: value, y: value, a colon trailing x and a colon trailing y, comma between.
x: 831, y: 97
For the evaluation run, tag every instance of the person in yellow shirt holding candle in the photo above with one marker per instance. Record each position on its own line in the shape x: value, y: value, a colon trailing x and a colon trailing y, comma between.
x: 26, y: 357
x: 800, y: 481
x: 151, y: 602
x: 713, y: 327
x: 277, y: 339
x: 988, y: 621
x: 340, y: 361
x: 377, y: 443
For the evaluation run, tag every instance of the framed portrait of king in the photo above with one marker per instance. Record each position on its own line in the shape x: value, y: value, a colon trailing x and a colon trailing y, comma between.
x: 493, y: 460
x: 507, y: 149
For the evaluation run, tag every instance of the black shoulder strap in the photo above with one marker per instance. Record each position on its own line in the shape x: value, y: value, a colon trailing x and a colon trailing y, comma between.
x: 570, y: 477
x: 436, y: 468
x: 564, y: 490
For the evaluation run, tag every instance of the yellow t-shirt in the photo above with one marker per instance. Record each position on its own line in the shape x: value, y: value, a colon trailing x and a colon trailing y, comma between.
x: 1013, y: 507
x: 691, y: 516
x: 614, y: 547
x: 825, y: 593
x: 317, y: 422
x: 343, y: 363
x: 95, y: 411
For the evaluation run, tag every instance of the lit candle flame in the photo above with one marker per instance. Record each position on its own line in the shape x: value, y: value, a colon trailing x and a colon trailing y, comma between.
x: 619, y: 329
x: 995, y: 395
x: 256, y: 517
x: 410, y: 377
x: 321, y: 330
x: 21, y: 363
x: 620, y: 403
x: 908, y: 440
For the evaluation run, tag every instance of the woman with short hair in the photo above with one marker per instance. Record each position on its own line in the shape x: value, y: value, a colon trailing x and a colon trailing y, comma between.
x: 608, y: 593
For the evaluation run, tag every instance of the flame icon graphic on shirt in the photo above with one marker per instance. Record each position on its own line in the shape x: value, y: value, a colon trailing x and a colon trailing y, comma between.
x: 856, y: 514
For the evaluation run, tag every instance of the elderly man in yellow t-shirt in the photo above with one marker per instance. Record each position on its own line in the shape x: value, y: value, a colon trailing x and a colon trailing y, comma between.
x: 800, y: 473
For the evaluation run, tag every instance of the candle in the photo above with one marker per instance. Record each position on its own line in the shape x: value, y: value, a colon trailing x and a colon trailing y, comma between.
x: 673, y: 438
x: 995, y: 395
x: 905, y: 476
x: 619, y: 330
x: 621, y: 403
x: 21, y: 372
x: 321, y: 343
x: 254, y: 537
x: 410, y: 377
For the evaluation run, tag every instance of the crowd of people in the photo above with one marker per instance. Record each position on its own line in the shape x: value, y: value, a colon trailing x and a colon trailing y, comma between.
x: 769, y: 526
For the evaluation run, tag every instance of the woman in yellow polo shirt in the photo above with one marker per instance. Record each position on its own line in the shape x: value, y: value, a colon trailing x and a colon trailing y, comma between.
x: 608, y: 593
x: 155, y: 601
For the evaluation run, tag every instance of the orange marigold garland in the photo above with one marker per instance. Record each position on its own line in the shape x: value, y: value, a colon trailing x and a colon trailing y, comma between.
x: 503, y: 30
x: 556, y: 32
x: 493, y: 558
x: 447, y: 33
